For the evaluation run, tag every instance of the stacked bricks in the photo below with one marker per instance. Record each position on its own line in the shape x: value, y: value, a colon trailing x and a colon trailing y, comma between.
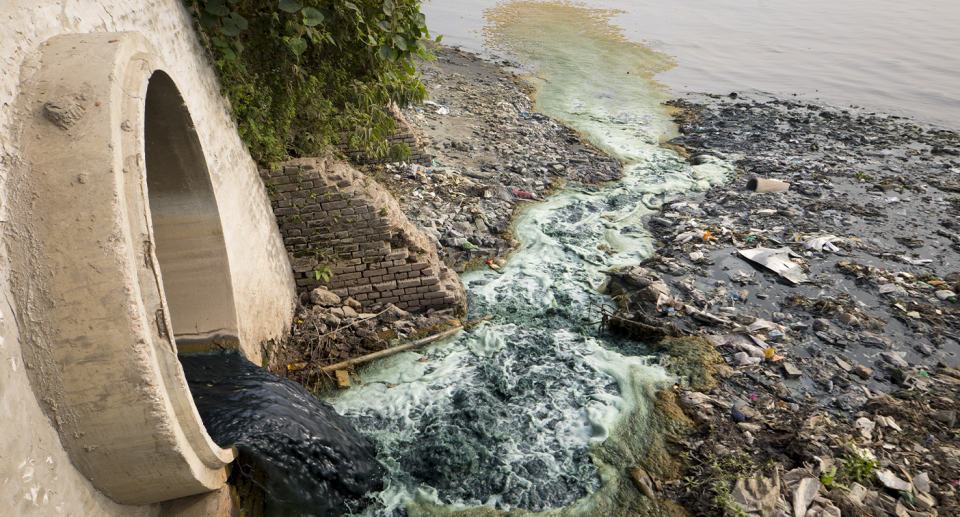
x: 404, y: 135
x: 332, y: 216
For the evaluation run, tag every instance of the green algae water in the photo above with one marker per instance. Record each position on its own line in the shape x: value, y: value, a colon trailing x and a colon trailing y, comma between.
x: 534, y: 411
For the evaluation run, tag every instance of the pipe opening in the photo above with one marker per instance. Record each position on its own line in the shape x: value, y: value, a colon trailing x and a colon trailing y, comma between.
x: 190, y: 246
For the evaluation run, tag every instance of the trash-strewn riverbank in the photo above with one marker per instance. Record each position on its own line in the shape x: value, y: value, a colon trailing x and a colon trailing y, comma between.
x: 838, y: 351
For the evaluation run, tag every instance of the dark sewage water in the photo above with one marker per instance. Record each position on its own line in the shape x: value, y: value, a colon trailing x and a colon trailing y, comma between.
x: 305, y: 458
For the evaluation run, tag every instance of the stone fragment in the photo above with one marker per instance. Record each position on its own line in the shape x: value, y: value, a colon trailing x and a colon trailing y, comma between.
x: 348, y: 312
x: 862, y: 371
x: 757, y: 496
x: 331, y: 321
x: 791, y: 371
x: 643, y: 481
x: 890, y: 480
x: 945, y: 417
x: 922, y: 483
x: 894, y: 359
x: 845, y: 366
x: 392, y: 313
x: 324, y: 298
x: 821, y: 324
x: 803, y: 495
x: 353, y: 304
x: 924, y: 501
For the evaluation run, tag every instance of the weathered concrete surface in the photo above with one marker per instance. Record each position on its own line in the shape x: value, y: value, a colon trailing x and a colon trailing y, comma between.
x: 37, y: 476
x: 114, y: 150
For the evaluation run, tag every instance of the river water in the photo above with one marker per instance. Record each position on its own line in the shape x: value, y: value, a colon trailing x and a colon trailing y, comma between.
x: 896, y: 57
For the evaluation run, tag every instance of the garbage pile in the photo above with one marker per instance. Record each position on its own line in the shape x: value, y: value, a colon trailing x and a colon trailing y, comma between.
x: 330, y: 330
x: 826, y: 276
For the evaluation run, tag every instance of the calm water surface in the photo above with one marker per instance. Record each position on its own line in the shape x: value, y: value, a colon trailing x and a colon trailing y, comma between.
x: 897, y: 57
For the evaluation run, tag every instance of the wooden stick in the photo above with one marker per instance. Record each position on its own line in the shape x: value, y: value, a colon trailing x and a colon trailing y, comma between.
x: 387, y: 352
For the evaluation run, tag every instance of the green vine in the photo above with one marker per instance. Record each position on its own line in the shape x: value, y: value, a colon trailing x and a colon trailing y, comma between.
x: 304, y: 76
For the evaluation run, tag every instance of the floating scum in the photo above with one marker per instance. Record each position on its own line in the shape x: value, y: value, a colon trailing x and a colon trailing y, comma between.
x: 533, y: 411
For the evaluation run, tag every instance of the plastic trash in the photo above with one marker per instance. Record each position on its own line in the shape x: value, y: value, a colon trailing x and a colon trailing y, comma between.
x: 521, y: 194
x: 762, y: 186
x: 777, y: 261
x: 819, y: 243
x: 442, y: 110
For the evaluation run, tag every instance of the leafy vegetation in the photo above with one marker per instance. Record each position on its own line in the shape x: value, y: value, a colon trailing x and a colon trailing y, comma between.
x: 857, y: 467
x: 305, y: 75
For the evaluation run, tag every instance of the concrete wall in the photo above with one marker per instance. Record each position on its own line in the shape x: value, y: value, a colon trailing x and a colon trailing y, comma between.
x: 36, y: 475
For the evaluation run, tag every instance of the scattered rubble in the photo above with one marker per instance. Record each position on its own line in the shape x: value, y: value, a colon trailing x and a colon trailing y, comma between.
x: 825, y: 275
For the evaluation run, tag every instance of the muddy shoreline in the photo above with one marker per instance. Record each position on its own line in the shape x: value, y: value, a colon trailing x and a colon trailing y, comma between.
x: 883, y: 187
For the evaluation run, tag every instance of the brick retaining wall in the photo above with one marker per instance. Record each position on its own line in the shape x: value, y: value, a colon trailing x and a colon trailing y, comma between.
x: 331, y: 215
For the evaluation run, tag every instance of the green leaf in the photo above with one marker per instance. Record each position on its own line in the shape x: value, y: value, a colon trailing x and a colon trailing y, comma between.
x: 290, y: 6
x: 297, y: 45
x: 421, y: 20
x: 240, y: 21
x: 229, y: 55
x: 208, y: 20
x: 219, y: 42
x: 440, y: 37
x: 237, y: 45
x: 400, y: 42
x: 408, y: 68
x: 229, y: 28
x: 312, y: 17
x: 388, y: 7
x: 384, y: 24
x: 387, y: 53
x: 216, y: 7
x: 350, y: 5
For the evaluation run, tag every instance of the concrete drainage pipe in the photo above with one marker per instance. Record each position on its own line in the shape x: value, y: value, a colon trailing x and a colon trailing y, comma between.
x: 117, y: 253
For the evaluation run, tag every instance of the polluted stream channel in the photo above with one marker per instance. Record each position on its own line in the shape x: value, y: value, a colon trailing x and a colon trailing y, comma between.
x: 533, y: 410
x: 516, y: 413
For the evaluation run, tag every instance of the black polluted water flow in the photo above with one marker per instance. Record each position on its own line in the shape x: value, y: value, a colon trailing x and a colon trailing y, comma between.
x: 309, y: 460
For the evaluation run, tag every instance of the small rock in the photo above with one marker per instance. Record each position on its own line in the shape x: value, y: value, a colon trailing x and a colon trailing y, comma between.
x: 331, y: 321
x: 914, y: 314
x: 393, y: 313
x: 791, y: 371
x: 890, y: 480
x: 353, y: 304
x: 946, y: 417
x: 744, y: 359
x: 845, y: 366
x: 924, y: 501
x: 862, y: 371
x: 849, y: 319
x: 348, y: 312
x: 922, y: 483
x: 894, y: 359
x: 821, y: 324
x: 324, y: 298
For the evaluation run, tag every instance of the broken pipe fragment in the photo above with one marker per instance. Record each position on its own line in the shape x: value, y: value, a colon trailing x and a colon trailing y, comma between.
x: 762, y: 186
